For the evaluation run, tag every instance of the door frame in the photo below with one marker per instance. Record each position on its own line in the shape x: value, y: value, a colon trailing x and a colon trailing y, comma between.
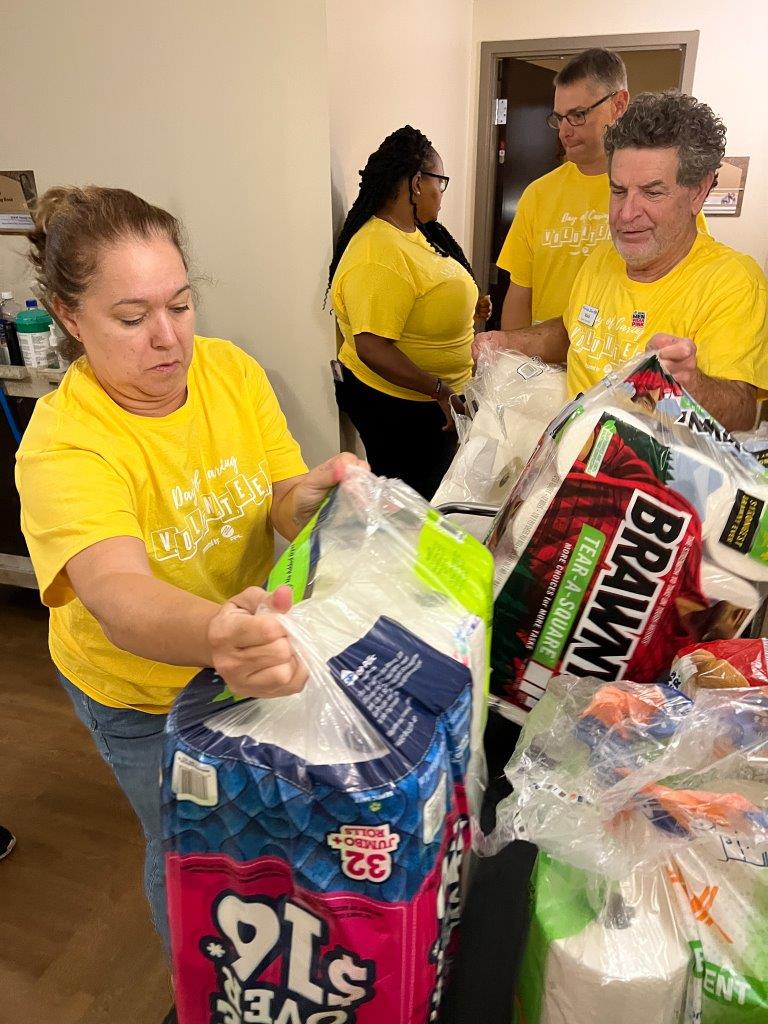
x: 491, y: 53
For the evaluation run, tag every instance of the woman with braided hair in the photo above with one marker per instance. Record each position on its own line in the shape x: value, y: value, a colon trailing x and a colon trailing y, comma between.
x: 404, y: 297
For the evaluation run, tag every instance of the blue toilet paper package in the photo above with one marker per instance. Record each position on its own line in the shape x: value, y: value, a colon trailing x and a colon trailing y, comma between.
x: 316, y: 842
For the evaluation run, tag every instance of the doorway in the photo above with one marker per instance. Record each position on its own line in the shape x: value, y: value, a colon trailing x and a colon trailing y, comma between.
x: 515, y: 145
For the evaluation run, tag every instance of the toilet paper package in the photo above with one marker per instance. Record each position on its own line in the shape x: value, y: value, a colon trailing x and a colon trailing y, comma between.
x: 511, y: 400
x: 315, y: 843
x: 638, y: 527
x: 650, y: 810
x: 599, y: 951
x: 722, y: 664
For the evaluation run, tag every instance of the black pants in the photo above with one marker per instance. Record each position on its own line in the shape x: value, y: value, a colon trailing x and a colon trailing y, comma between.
x: 402, y: 438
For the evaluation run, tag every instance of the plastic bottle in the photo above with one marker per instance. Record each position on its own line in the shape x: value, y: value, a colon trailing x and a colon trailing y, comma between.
x: 8, y: 337
x: 32, y: 326
x: 55, y: 338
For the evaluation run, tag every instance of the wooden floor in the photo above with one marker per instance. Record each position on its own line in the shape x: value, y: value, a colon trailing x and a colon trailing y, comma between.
x: 76, y: 942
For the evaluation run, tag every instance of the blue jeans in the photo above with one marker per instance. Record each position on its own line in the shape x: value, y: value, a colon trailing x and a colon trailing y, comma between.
x: 131, y: 743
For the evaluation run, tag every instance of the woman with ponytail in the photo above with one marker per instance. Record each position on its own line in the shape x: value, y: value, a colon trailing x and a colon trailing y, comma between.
x: 152, y: 481
x: 404, y: 298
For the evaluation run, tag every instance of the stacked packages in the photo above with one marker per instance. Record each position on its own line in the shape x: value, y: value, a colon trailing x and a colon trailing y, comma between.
x: 638, y: 527
x: 316, y: 842
x: 651, y: 891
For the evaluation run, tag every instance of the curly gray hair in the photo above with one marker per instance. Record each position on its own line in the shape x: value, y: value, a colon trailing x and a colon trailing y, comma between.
x: 672, y: 120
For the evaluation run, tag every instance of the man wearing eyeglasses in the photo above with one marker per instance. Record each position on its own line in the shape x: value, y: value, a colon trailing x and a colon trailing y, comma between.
x: 661, y: 283
x: 562, y: 216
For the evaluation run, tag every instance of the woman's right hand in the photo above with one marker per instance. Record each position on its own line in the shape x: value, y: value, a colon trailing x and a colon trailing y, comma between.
x: 250, y: 648
x: 448, y: 400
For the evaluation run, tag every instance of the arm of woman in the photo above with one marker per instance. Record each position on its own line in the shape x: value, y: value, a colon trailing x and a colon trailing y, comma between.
x: 153, y: 619
x: 383, y: 357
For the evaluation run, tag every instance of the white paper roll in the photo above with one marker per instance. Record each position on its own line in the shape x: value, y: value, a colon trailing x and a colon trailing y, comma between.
x: 700, y: 480
x: 729, y: 558
x: 575, y: 436
x: 720, y: 585
x: 632, y: 975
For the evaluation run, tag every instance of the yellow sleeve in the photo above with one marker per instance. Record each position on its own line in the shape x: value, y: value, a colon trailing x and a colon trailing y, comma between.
x: 70, y: 499
x: 516, y: 254
x: 733, y: 341
x: 377, y: 300
x: 282, y: 450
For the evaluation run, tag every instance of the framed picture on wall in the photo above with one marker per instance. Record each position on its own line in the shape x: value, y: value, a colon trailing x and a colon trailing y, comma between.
x: 17, y: 191
x: 726, y: 198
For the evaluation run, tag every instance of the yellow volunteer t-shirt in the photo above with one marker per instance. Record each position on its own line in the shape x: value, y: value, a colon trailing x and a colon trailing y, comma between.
x: 195, y: 486
x: 392, y: 283
x: 560, y: 219
x: 714, y: 296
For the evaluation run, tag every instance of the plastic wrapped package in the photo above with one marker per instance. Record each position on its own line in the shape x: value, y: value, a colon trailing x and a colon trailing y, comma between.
x: 651, y: 891
x: 511, y: 399
x: 638, y: 527
x: 755, y: 442
x: 315, y: 843
x: 722, y: 664
x: 602, y: 952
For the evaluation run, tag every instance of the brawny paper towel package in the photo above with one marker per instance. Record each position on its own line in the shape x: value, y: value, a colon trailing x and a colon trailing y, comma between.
x: 629, y: 535
x: 511, y: 400
x: 316, y: 842
x: 651, y: 892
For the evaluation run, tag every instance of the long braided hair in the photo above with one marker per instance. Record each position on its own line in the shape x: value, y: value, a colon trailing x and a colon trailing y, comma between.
x: 401, y: 155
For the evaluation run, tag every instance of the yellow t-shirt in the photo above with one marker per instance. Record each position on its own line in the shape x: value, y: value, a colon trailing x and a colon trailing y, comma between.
x: 195, y: 486
x: 392, y: 283
x: 714, y: 296
x: 560, y: 219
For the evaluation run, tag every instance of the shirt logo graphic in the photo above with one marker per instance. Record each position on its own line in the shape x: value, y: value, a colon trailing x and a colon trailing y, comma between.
x: 638, y: 318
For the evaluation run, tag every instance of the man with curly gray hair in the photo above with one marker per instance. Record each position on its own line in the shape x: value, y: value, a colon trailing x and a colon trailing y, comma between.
x: 661, y: 284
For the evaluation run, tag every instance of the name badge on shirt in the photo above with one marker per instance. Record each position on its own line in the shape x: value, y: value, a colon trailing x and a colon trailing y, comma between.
x: 588, y: 315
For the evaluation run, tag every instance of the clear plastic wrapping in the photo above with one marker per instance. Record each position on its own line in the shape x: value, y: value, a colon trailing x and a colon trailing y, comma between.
x: 511, y: 400
x: 639, y: 526
x: 651, y: 812
x: 316, y: 842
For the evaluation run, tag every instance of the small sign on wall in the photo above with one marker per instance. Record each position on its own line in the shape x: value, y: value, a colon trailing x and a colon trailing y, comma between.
x: 726, y: 198
x: 17, y: 192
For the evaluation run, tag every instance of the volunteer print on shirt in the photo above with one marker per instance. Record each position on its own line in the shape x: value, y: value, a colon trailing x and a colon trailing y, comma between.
x: 578, y: 232
x: 209, y: 507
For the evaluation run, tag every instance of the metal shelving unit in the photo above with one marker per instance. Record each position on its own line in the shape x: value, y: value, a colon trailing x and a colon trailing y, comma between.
x: 24, y: 382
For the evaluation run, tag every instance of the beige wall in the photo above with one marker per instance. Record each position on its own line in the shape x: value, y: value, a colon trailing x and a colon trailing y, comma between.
x: 730, y: 74
x: 392, y: 64
x: 220, y: 114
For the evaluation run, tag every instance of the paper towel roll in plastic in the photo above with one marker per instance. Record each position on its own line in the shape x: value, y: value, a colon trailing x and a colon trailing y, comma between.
x: 576, y: 435
x: 699, y: 479
x: 636, y: 974
x: 735, y: 529
x: 515, y: 398
x: 720, y: 585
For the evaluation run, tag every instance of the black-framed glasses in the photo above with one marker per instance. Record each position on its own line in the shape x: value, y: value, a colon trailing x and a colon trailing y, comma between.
x: 575, y: 118
x: 442, y: 178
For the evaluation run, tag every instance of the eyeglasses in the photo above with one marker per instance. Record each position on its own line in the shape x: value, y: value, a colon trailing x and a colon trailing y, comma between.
x: 442, y: 178
x: 575, y: 118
